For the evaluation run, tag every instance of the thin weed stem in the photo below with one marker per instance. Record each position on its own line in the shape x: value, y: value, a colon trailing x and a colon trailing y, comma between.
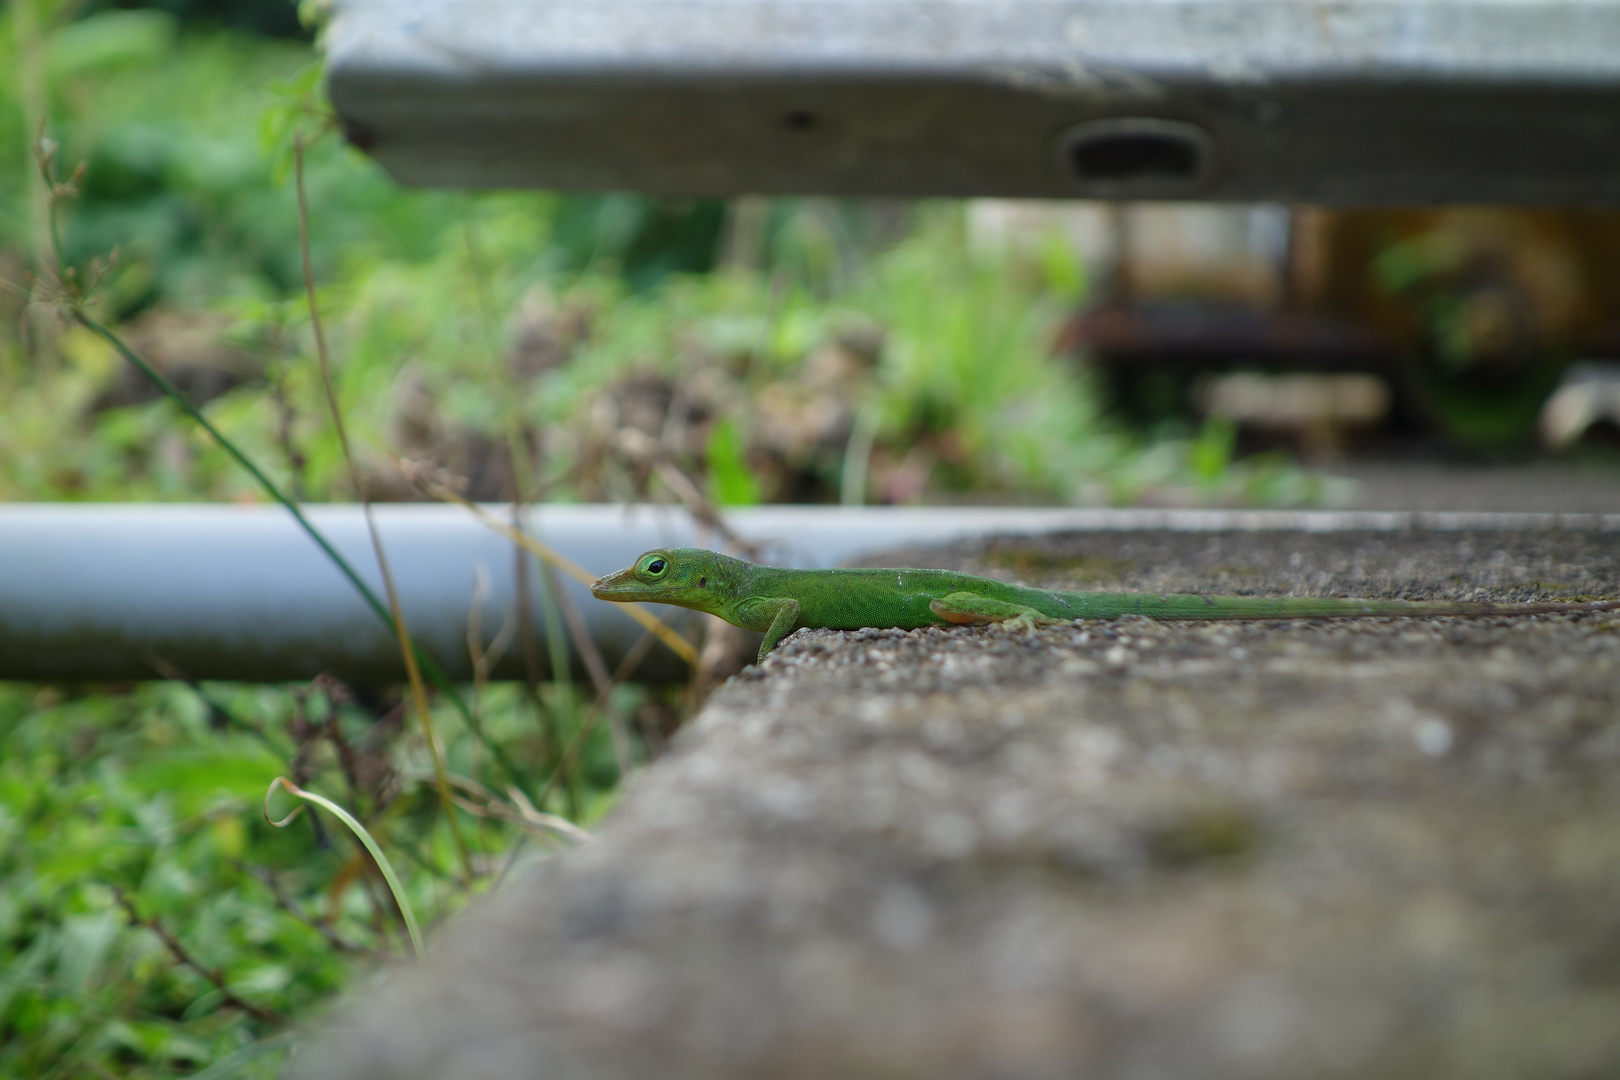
x: 523, y: 489
x: 74, y: 300
x: 321, y: 926
x: 652, y: 623
x: 183, y: 957
x: 396, y: 614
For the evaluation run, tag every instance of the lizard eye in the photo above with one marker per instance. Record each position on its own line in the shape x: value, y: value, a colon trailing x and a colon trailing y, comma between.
x: 656, y: 567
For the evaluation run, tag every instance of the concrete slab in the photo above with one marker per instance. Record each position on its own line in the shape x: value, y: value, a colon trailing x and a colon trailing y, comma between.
x: 1383, y: 848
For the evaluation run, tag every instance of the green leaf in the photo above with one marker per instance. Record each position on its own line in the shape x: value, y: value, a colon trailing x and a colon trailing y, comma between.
x: 1061, y: 268
x: 1211, y: 453
x: 730, y: 481
x: 86, y: 940
x: 197, y: 778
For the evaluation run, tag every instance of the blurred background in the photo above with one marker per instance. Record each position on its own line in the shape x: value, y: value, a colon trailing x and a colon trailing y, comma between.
x: 540, y: 346
x: 783, y: 350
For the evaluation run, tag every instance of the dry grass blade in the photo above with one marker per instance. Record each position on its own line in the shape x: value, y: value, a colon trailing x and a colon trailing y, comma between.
x: 521, y: 811
x: 597, y: 668
x: 561, y: 826
x: 677, y: 644
x: 484, y: 657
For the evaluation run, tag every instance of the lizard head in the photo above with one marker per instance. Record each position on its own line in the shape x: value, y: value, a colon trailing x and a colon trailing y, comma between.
x: 687, y: 577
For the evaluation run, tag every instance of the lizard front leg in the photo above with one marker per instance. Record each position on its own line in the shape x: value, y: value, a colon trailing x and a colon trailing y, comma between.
x: 971, y: 609
x: 780, y: 616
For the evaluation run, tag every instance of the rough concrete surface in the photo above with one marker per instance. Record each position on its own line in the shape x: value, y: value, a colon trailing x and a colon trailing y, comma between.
x: 1384, y: 848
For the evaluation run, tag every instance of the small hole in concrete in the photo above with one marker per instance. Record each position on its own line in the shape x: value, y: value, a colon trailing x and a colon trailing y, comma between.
x: 1136, y: 155
x: 801, y: 120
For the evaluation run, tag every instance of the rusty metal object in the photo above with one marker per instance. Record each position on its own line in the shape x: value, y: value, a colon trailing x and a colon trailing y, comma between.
x: 1469, y: 313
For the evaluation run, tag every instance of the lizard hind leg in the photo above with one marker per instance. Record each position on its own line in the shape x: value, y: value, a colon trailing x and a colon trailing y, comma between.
x: 970, y: 609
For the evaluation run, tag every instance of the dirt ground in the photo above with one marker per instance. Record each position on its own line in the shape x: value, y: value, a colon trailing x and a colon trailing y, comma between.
x: 1128, y: 850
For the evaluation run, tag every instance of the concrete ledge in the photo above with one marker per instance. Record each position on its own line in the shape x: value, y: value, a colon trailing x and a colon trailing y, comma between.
x: 1382, y: 848
x: 1369, y: 101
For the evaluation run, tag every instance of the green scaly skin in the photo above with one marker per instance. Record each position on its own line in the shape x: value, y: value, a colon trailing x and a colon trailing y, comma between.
x: 776, y: 601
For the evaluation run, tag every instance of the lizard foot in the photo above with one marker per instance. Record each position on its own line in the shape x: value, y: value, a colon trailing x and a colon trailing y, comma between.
x: 970, y: 609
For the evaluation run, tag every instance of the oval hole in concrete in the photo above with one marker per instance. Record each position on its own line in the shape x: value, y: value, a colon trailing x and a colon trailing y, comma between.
x: 1139, y: 156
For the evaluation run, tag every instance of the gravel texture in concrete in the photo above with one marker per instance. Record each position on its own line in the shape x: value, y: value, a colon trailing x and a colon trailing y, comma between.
x: 1381, y: 848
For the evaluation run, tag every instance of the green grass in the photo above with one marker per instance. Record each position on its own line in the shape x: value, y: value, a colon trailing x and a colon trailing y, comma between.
x: 150, y: 793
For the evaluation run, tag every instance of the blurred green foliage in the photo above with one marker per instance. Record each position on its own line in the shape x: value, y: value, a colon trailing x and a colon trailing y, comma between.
x: 187, y: 137
x: 154, y: 796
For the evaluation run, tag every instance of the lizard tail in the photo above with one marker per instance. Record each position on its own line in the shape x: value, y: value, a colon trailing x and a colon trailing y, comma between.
x: 1464, y: 609
x: 1257, y: 607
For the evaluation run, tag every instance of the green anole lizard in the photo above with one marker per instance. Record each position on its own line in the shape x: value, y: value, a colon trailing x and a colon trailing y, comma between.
x: 777, y: 601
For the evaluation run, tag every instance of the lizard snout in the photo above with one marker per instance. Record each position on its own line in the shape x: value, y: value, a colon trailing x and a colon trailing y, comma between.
x: 619, y: 585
